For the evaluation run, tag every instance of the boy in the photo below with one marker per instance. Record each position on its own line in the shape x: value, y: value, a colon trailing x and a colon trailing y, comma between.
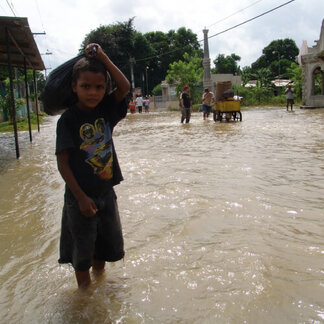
x: 91, y: 233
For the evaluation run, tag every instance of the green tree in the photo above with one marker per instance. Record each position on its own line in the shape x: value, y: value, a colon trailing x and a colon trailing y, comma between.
x: 153, y: 52
x: 121, y: 42
x: 278, y: 55
x: 188, y: 71
x: 226, y: 64
x: 295, y: 74
x: 157, y: 90
x: 246, y: 74
x: 168, y: 48
x: 263, y: 76
x: 6, y: 103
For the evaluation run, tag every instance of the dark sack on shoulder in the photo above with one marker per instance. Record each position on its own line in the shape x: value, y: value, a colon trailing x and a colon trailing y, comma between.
x: 57, y: 94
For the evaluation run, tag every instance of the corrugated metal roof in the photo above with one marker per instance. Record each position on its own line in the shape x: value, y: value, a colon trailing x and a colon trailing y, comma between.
x: 22, y: 44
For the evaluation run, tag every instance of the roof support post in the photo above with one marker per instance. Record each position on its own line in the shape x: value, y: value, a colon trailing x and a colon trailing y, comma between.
x: 27, y: 102
x: 14, y: 121
x: 36, y: 99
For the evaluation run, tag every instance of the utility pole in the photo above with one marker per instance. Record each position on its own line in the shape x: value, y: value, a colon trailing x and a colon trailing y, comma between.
x: 132, y: 61
x: 206, y: 62
x: 146, y: 80
x: 47, y: 53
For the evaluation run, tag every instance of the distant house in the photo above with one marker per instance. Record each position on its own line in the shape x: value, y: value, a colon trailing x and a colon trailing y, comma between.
x: 251, y: 84
x: 280, y: 82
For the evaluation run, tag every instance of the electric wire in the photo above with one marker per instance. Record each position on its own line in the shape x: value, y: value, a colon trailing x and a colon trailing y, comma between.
x: 233, y: 14
x: 246, y: 21
x: 222, y: 32
x: 11, y: 8
x: 40, y: 16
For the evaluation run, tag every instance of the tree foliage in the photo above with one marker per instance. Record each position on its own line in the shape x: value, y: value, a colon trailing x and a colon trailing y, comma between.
x: 226, y: 64
x: 295, y: 74
x: 153, y: 52
x: 277, y: 56
x: 188, y: 71
x: 121, y: 42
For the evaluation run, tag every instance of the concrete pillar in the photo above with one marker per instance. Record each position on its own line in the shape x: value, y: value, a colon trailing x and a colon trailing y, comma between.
x: 206, y: 63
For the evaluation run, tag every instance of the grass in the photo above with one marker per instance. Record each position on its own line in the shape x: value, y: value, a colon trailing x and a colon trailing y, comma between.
x: 22, y: 125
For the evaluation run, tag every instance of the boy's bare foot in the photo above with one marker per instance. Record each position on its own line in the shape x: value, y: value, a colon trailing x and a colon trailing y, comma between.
x: 98, y: 267
x: 98, y: 272
x: 83, y: 279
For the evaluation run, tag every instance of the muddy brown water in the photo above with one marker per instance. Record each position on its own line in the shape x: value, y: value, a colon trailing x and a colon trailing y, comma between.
x: 223, y: 223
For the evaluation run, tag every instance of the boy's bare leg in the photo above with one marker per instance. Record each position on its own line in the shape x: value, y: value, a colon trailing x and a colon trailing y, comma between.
x: 83, y: 279
x: 98, y: 267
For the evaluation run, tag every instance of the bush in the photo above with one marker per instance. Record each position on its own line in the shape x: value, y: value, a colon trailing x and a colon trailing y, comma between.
x: 5, y: 105
x: 260, y: 96
x: 157, y: 90
x: 22, y: 125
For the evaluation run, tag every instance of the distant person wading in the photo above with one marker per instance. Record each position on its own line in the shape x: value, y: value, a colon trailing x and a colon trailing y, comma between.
x: 207, y: 103
x: 185, y: 105
x: 290, y: 97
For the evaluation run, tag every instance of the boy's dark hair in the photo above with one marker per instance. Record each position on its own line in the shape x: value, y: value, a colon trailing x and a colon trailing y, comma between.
x: 88, y: 64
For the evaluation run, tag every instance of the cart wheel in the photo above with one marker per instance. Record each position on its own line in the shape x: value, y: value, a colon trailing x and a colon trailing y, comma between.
x: 234, y: 116
x: 240, y: 115
x: 220, y: 116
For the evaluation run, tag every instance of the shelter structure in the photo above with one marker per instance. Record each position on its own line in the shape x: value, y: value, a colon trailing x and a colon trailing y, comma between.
x: 18, y: 49
x: 312, y: 62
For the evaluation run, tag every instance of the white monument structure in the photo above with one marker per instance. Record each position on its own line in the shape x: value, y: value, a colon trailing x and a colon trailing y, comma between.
x: 312, y: 63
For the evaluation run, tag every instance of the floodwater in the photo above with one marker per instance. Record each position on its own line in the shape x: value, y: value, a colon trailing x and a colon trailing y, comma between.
x: 223, y: 223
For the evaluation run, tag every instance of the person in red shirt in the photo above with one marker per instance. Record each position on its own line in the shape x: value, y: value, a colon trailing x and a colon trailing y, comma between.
x: 131, y: 106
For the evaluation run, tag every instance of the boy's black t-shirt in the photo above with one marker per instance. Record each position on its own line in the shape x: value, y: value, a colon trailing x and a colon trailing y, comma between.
x: 88, y: 138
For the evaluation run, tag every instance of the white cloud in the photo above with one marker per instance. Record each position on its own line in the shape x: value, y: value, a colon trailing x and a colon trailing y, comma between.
x: 66, y: 22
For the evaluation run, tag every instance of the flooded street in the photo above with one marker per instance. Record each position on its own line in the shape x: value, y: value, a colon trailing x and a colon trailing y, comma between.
x: 223, y: 223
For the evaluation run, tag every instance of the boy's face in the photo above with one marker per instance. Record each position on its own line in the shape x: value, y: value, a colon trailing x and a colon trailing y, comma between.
x: 90, y: 89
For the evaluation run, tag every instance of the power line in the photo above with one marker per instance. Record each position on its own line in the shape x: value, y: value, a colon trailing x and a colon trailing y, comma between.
x: 246, y: 21
x: 40, y: 17
x: 11, y: 8
x: 224, y: 31
x: 233, y: 14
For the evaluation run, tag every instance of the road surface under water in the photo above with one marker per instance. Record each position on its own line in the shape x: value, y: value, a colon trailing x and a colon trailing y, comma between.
x: 223, y: 223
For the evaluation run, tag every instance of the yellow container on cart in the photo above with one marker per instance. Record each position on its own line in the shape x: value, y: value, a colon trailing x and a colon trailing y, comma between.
x: 227, y: 109
x: 227, y: 106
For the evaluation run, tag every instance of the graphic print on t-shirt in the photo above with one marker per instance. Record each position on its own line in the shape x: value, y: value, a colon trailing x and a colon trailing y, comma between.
x: 98, y: 145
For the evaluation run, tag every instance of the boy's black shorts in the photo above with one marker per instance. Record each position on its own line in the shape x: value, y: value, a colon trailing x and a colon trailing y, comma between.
x: 84, y: 239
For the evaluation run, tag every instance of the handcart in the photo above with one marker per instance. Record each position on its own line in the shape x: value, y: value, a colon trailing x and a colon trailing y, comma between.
x: 228, y: 110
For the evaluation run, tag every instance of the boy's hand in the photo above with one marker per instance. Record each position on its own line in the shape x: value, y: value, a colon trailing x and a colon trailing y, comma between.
x: 94, y: 50
x: 87, y: 207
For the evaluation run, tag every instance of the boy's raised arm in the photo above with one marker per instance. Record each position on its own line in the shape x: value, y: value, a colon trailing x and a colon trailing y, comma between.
x: 122, y: 84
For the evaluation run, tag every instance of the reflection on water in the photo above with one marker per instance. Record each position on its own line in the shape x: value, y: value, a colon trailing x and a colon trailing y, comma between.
x: 223, y: 223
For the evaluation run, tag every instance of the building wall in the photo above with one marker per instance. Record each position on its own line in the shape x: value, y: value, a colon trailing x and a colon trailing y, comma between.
x: 310, y: 62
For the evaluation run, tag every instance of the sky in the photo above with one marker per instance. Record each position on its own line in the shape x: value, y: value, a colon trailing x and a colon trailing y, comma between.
x: 67, y: 22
